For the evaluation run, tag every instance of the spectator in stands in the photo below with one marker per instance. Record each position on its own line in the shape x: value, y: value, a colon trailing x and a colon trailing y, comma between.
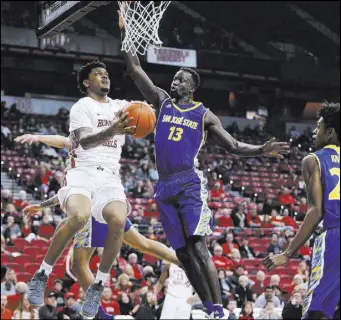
x: 236, y: 258
x: 238, y: 272
x: 238, y: 217
x: 266, y: 224
x: 246, y: 251
x: 279, y: 295
x: 109, y: 305
x: 138, y: 191
x: 22, y: 202
x: 6, y: 138
x: 123, y: 284
x: 59, y: 291
x: 6, y: 314
x: 26, y: 227
x: 125, y: 304
x: 231, y: 307
x: 242, y: 292
x: 229, y: 244
x: 246, y: 312
x: 41, y: 181
x: 80, y: 301
x: 253, y: 219
x: 269, y: 312
x: 286, y: 199
x: 293, y: 309
x: 217, y: 193
x: 303, y: 270
x: 12, y: 231
x: 225, y: 219
x: 288, y: 220
x: 68, y: 309
x: 267, y: 296
x: 258, y: 287
x: 226, y: 287
x: 25, y: 310
x: 49, y: 310
x: 220, y: 261
x: 55, y: 183
x: 274, y: 246
x: 148, y: 190
x: 148, y: 307
x: 275, y: 280
x: 268, y: 206
x: 10, y: 211
x: 138, y: 271
x: 297, y: 280
x: 46, y: 229
x: 302, y: 289
x: 305, y: 251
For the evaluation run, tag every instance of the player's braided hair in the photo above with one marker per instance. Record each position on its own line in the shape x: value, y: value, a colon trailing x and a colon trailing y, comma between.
x: 84, y: 71
x: 330, y: 112
x: 195, y: 77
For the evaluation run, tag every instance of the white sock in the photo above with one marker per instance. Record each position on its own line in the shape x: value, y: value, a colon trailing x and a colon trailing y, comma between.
x: 101, y: 276
x: 46, y: 267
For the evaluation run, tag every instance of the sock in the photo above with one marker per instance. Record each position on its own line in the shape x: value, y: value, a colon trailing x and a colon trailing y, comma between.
x: 46, y: 267
x: 218, y: 310
x: 101, y: 276
x: 103, y: 315
x: 209, y: 306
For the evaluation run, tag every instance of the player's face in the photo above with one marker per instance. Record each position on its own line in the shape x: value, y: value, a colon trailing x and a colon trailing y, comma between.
x: 182, y: 84
x: 98, y: 81
x: 320, y: 135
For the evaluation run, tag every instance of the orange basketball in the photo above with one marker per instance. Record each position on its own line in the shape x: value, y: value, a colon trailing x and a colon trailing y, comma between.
x: 144, y: 118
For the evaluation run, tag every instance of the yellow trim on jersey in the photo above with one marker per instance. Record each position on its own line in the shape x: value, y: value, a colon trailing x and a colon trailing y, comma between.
x: 318, y: 162
x: 196, y: 105
x: 203, y: 138
x: 333, y: 147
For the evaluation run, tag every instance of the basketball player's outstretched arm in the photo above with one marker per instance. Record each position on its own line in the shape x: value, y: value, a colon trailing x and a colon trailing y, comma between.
x: 312, y: 178
x: 151, y: 93
x: 223, y: 139
x: 29, y: 210
x: 51, y: 140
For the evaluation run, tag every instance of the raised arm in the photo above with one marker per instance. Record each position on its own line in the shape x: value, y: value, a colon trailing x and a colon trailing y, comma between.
x: 312, y: 178
x: 151, y: 93
x: 50, y: 140
x: 223, y: 139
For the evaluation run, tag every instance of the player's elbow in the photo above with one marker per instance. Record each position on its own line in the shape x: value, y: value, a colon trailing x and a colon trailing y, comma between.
x: 145, y: 245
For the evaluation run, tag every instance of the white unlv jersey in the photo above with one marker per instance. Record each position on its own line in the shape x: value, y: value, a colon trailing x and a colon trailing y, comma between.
x: 178, y: 284
x: 98, y: 116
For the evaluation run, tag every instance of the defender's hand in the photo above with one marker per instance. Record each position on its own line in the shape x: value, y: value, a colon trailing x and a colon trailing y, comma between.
x: 276, y: 149
x: 276, y: 260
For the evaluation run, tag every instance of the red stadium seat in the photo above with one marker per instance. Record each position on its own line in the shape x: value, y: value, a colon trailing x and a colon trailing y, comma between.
x: 46, y: 231
x: 15, y: 266
x: 24, y: 258
x: 39, y: 243
x: 150, y: 259
x: 24, y: 276
x: 5, y: 259
x: 13, y: 249
x: 59, y: 270
x: 32, y: 251
x: 32, y: 267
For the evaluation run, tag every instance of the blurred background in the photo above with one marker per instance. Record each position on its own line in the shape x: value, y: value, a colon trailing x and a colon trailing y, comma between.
x: 265, y: 68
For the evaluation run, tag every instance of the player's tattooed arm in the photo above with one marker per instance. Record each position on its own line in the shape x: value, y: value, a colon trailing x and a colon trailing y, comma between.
x: 223, y: 139
x: 312, y: 178
x: 151, y: 93
x: 54, y: 201
x: 120, y: 126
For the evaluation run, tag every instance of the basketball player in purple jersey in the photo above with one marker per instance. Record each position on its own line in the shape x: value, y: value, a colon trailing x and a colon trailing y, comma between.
x: 321, y: 171
x: 181, y: 192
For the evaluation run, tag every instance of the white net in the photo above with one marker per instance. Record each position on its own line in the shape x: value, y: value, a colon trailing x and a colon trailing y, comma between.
x: 141, y: 23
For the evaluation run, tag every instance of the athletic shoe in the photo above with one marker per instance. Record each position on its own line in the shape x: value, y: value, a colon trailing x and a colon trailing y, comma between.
x: 199, y: 314
x: 92, y: 300
x: 36, y: 289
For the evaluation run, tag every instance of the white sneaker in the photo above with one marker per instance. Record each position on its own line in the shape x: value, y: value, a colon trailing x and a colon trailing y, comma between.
x: 199, y: 314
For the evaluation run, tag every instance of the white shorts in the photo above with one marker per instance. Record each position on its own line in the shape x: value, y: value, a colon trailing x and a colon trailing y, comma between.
x: 100, y: 185
x: 175, y: 308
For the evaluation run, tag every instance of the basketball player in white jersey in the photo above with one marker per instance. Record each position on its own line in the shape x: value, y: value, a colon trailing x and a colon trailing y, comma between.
x: 179, y: 291
x: 97, y: 128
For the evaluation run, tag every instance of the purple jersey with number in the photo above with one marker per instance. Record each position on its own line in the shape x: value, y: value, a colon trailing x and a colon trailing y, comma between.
x: 179, y: 136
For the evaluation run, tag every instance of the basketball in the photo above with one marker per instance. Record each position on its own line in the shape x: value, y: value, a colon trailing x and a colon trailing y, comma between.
x: 144, y: 118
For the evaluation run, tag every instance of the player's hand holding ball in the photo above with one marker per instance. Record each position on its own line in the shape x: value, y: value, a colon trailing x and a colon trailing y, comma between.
x: 121, y: 125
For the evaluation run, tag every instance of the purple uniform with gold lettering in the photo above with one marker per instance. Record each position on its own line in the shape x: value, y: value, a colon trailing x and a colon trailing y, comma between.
x: 181, y: 192
x: 324, y: 284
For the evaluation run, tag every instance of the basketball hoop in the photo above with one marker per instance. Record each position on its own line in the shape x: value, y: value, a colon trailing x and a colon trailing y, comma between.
x: 141, y: 23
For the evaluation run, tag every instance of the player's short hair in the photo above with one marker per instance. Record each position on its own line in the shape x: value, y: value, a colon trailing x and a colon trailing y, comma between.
x: 84, y: 71
x: 195, y: 76
x: 330, y: 112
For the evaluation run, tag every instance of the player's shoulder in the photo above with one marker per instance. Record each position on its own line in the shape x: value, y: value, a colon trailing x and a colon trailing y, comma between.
x: 118, y: 103
x: 310, y: 163
x: 83, y: 103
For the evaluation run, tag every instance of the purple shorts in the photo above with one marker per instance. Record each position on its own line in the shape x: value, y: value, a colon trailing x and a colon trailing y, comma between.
x: 94, y: 233
x: 324, y: 283
x: 182, y: 202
